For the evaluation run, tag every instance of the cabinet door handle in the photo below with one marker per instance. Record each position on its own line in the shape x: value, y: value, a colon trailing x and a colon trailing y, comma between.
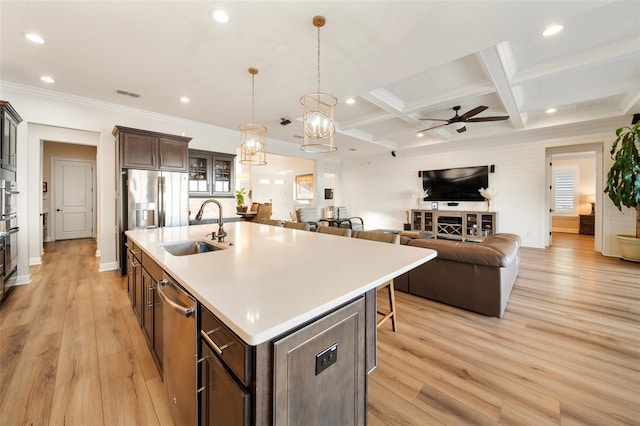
x: 150, y: 296
x: 210, y: 342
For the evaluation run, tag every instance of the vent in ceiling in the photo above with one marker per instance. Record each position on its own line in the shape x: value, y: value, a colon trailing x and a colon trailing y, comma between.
x: 298, y: 136
x: 128, y: 93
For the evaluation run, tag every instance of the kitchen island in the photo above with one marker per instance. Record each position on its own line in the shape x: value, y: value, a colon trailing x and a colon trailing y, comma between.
x: 271, y: 285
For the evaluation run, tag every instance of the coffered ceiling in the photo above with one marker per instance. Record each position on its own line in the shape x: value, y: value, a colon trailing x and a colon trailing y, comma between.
x: 400, y: 60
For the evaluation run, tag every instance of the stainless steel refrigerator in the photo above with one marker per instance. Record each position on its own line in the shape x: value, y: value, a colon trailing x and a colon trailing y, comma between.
x: 152, y: 199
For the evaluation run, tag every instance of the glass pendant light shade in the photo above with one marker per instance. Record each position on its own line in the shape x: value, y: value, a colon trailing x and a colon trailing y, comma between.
x: 317, y: 117
x: 253, y: 137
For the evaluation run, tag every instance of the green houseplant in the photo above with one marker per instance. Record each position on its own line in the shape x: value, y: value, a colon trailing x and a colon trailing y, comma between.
x: 240, y: 200
x: 623, y: 183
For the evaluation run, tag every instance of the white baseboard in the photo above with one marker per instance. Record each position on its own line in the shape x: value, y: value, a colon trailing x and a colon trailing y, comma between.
x: 566, y: 230
x: 35, y: 261
x: 108, y: 266
x: 19, y: 280
x: 98, y: 253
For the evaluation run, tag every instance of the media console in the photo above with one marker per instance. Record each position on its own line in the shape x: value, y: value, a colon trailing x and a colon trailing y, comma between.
x: 452, y: 224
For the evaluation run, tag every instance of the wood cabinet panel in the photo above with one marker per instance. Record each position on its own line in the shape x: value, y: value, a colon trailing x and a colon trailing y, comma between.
x: 139, y: 152
x: 587, y: 224
x: 323, y: 362
x: 211, y: 174
x: 142, y: 149
x: 9, y: 120
x: 462, y: 225
x: 173, y: 155
x: 152, y: 312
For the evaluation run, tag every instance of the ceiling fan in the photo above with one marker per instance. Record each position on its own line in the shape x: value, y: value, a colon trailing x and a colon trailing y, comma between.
x: 464, y: 118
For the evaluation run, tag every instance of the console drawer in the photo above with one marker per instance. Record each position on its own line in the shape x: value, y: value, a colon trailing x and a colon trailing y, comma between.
x: 230, y: 348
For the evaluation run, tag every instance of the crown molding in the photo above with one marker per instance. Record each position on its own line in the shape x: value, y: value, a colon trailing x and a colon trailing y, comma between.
x: 108, y: 106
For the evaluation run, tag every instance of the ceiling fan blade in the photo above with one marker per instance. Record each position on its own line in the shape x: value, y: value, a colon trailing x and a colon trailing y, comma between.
x: 433, y: 119
x: 431, y: 128
x: 496, y: 118
x: 462, y: 129
x: 475, y: 111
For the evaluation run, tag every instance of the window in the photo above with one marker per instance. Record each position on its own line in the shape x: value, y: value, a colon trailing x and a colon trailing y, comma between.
x: 564, y: 184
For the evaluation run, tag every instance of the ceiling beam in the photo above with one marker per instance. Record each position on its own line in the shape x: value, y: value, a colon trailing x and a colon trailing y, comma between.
x: 498, y: 62
x: 622, y: 49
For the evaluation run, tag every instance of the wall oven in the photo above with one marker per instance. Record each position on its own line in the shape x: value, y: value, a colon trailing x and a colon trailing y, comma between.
x: 9, y: 225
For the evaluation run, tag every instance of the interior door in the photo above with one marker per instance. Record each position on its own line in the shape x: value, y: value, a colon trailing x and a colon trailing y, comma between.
x: 73, y: 199
x: 549, y: 200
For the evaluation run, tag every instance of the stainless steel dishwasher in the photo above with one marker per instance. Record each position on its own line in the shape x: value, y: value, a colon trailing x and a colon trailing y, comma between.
x: 179, y: 350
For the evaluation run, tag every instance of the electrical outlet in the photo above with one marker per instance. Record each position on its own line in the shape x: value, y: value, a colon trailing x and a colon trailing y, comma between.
x: 326, y: 358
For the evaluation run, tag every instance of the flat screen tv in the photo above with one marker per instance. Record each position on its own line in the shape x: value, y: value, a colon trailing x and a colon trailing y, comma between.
x: 457, y: 184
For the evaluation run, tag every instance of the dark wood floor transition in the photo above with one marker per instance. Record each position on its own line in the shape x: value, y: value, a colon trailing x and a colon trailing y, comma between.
x: 566, y: 352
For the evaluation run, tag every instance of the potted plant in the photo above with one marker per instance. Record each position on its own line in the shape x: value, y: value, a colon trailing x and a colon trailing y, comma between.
x: 240, y: 206
x: 623, y: 184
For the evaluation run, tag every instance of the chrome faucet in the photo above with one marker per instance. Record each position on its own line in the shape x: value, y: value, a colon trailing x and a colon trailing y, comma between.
x: 221, y: 232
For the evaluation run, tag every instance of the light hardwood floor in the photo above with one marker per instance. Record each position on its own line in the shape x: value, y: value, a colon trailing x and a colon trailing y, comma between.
x: 566, y: 352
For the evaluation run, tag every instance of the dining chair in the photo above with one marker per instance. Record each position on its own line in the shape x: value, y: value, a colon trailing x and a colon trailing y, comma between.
x: 385, y: 238
x: 272, y: 222
x: 343, y: 232
x: 297, y: 225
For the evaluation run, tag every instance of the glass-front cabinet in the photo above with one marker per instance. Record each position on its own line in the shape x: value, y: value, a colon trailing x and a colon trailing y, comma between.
x: 222, y: 169
x: 211, y: 174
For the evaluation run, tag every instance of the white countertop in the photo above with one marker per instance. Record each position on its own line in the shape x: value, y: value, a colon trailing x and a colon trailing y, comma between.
x: 273, y: 279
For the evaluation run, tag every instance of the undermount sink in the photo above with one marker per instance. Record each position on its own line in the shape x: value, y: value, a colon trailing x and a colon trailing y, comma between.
x: 187, y: 248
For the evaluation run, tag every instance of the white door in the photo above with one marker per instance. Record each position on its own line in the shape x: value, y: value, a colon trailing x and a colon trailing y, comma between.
x: 73, y: 199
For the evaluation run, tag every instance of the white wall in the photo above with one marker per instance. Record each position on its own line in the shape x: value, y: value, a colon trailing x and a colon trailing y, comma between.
x: 379, y: 188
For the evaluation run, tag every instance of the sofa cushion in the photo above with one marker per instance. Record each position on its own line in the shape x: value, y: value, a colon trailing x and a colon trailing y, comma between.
x: 480, y: 254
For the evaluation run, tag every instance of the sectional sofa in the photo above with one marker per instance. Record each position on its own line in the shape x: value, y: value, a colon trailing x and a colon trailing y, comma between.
x: 474, y: 276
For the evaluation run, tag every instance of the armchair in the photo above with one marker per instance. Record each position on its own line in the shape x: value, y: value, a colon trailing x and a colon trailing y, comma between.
x: 354, y: 223
x: 308, y: 215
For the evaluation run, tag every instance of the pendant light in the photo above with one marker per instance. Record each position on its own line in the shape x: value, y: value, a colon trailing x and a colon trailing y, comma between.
x: 317, y: 117
x: 253, y: 149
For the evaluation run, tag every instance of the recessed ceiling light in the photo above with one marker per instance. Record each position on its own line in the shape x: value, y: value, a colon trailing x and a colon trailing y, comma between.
x: 550, y: 110
x: 552, y: 30
x: 220, y: 16
x: 184, y: 99
x: 419, y: 135
x: 34, y: 38
x: 47, y: 79
x: 350, y: 101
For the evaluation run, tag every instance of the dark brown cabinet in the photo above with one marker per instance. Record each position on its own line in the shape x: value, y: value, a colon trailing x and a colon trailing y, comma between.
x: 291, y: 377
x: 211, y: 174
x: 9, y: 120
x: 142, y: 149
x: 225, y: 374
x: 134, y: 280
x: 587, y: 224
x: 152, y: 308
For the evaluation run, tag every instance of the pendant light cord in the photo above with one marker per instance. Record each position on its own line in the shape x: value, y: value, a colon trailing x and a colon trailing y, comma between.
x: 318, y: 60
x: 253, y: 97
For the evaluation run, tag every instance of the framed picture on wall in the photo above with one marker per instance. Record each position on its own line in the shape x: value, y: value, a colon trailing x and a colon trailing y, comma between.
x: 304, y: 187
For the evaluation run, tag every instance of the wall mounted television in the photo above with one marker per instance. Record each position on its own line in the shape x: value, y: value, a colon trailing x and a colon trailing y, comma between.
x: 455, y: 184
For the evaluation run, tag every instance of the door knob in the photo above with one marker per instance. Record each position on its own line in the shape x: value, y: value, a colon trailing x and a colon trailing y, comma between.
x: 58, y: 210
